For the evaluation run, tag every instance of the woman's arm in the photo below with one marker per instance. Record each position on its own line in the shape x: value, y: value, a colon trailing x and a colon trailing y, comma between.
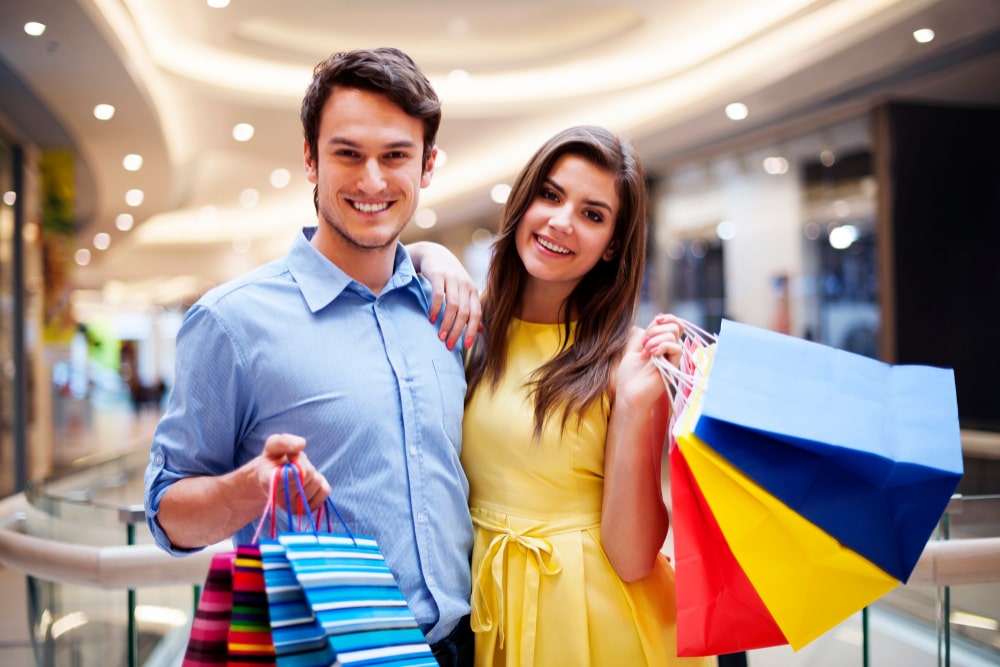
x: 455, y: 295
x: 634, y: 519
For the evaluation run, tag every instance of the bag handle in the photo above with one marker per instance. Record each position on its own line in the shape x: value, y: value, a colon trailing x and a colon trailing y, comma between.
x: 686, y: 377
x: 291, y: 468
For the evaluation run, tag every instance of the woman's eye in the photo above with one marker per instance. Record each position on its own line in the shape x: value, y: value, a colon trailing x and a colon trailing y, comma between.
x: 549, y: 194
x: 594, y: 216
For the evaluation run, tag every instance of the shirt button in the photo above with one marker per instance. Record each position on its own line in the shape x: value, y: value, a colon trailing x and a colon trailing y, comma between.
x: 430, y: 578
x: 413, y: 450
x: 422, y: 518
x: 158, y: 459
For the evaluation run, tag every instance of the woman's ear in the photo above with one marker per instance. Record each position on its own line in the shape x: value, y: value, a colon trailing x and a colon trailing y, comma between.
x: 610, y: 251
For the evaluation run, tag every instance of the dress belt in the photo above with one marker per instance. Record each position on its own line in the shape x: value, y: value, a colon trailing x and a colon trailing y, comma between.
x: 543, y: 559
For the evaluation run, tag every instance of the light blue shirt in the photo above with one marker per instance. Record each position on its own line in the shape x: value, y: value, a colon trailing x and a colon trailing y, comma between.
x: 297, y: 346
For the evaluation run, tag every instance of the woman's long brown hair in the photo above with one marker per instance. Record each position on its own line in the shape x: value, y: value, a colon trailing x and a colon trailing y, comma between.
x: 605, y: 301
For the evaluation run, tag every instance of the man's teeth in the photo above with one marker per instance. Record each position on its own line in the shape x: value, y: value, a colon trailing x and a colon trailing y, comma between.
x: 371, y: 208
x: 554, y: 248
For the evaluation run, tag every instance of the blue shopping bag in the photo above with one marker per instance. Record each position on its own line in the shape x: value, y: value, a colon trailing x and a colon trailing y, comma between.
x: 868, y: 451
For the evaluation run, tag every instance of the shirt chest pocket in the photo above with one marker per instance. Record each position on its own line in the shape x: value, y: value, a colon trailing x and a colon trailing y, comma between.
x: 451, y: 394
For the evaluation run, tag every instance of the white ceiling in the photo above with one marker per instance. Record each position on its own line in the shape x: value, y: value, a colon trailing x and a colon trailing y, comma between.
x: 181, y: 74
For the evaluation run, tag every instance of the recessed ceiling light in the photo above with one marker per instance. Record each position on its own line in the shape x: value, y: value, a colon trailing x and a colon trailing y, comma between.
x: 132, y: 162
x: 923, y: 35
x: 425, y: 218
x: 124, y: 221
x: 134, y: 197
x: 34, y: 28
x: 457, y: 77
x: 82, y: 257
x: 500, y: 192
x: 775, y: 165
x: 104, y: 111
x: 243, y: 132
x: 102, y: 240
x: 249, y: 198
x: 9, y: 197
x: 737, y: 111
x: 218, y: 4
x: 280, y: 178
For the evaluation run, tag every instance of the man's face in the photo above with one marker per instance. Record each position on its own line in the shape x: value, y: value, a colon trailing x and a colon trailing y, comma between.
x: 368, y: 169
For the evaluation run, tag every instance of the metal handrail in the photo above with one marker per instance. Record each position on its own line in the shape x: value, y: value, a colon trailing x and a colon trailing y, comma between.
x: 108, y: 567
x: 942, y: 563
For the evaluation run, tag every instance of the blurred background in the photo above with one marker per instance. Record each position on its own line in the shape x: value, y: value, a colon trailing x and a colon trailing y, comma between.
x: 824, y: 168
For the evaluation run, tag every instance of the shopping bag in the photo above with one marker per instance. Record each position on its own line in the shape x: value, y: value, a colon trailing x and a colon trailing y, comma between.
x: 298, y: 638
x: 250, y: 641
x: 718, y: 609
x: 806, y: 578
x: 868, y: 451
x: 208, y: 643
x: 352, y: 592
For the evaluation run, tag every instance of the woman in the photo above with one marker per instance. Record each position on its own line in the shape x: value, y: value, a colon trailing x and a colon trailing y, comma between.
x: 566, y: 419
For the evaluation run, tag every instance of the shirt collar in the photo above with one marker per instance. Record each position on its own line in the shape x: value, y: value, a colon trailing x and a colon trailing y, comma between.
x: 321, y: 281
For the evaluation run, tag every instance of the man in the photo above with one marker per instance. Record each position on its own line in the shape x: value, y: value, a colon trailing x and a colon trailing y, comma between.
x: 329, y: 356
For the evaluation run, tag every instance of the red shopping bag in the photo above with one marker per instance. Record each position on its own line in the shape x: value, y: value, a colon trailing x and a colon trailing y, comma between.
x: 718, y: 610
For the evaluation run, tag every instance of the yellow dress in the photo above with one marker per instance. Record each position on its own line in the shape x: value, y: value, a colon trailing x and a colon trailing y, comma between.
x: 544, y: 592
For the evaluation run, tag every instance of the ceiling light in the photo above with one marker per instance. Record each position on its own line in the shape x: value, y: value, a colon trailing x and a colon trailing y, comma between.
x: 242, y: 244
x: 828, y: 158
x: 923, y: 35
x: 737, y: 111
x: 500, y: 192
x: 843, y: 236
x: 775, y: 165
x: 9, y: 197
x: 218, y: 4
x: 725, y: 230
x: 441, y: 159
x: 249, y: 198
x: 124, y: 221
x: 132, y: 162
x: 34, y: 28
x: 280, y: 178
x: 134, y: 197
x: 82, y: 257
x: 425, y: 218
x: 104, y: 112
x: 207, y: 214
x: 243, y: 132
x: 102, y: 240
x: 457, y: 77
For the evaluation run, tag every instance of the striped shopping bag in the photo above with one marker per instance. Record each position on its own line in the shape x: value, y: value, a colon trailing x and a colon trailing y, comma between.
x: 353, y: 593
x: 208, y: 643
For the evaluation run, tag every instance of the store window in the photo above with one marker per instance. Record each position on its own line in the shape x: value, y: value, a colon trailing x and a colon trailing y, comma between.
x: 779, y: 235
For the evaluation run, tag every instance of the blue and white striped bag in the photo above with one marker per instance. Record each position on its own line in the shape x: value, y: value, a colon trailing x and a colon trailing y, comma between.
x: 353, y: 595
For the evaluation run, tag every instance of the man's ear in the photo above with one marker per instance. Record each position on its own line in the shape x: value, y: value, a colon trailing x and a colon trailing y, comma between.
x: 428, y: 172
x: 309, y: 162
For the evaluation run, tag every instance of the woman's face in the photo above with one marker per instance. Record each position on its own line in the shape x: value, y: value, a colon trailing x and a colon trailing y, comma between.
x: 569, y: 225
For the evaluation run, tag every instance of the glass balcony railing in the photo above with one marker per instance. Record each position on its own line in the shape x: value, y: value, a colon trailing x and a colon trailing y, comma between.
x: 101, y: 593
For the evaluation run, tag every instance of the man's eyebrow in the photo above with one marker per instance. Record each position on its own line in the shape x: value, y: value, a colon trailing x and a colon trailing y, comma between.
x: 590, y: 202
x: 350, y: 143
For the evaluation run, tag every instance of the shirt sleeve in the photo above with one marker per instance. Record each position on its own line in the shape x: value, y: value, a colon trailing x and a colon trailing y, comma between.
x: 207, y: 414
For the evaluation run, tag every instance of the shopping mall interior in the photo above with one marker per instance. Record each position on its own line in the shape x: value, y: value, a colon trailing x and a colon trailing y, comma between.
x: 825, y: 169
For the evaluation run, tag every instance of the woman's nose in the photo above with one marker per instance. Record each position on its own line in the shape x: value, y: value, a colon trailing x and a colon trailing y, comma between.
x: 561, y: 219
